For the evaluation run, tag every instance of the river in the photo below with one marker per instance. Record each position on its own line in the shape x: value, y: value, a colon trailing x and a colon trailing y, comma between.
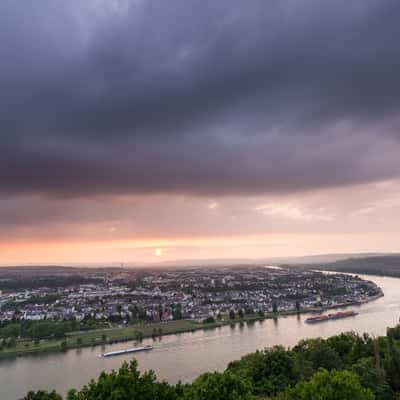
x: 185, y: 356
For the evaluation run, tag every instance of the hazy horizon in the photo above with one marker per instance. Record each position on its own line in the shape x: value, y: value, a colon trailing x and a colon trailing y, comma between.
x: 209, y: 262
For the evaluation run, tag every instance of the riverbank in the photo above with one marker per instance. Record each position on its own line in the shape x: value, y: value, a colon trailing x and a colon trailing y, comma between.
x: 105, y: 337
x: 138, y: 332
x: 101, y: 337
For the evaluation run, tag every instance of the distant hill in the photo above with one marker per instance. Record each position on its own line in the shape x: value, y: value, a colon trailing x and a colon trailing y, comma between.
x: 214, y: 262
x: 388, y: 265
x: 302, y: 260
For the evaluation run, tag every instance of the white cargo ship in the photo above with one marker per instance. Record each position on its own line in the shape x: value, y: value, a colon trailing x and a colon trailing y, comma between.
x: 127, y: 351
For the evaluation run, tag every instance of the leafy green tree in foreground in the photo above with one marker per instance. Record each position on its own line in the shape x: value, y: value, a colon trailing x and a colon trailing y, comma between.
x: 392, y: 364
x: 42, y: 395
x: 219, y: 386
x: 330, y: 385
x: 126, y: 384
x: 269, y: 371
x: 319, y: 354
x: 373, y: 376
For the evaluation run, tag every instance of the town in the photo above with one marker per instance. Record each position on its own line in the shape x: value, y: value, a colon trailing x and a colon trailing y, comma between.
x: 126, y: 296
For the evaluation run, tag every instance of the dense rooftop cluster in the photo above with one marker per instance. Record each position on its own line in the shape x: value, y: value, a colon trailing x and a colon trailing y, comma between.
x: 152, y: 295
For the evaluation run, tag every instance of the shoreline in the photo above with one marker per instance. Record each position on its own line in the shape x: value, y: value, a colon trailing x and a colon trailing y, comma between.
x: 152, y: 330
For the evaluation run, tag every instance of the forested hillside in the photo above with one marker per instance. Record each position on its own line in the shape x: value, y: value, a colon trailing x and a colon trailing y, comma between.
x: 378, y: 265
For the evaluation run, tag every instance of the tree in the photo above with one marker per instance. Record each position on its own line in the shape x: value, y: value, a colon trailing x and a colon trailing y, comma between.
x: 394, y: 333
x: 42, y: 395
x: 269, y: 371
x: 160, y: 311
x: 135, y: 311
x: 177, y: 311
x: 249, y: 310
x: 330, y: 385
x: 139, y: 335
x: 392, y: 364
x: 319, y: 354
x: 372, y: 376
x: 10, y: 330
x: 126, y: 383
x: 344, y: 344
x: 142, y: 314
x: 219, y: 386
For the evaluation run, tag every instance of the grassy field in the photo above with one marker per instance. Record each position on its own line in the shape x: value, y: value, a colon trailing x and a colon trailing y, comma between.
x: 114, y: 335
x: 132, y: 332
x: 104, y: 336
x: 119, y: 334
x: 29, y: 347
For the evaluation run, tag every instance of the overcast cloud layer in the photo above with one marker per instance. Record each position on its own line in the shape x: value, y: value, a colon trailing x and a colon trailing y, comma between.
x: 198, y: 128
x: 202, y: 97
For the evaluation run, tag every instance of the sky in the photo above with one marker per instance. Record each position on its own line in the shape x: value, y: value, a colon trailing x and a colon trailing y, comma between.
x: 145, y: 131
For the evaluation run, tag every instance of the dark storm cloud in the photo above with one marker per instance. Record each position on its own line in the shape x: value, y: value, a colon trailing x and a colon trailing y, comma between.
x: 204, y: 97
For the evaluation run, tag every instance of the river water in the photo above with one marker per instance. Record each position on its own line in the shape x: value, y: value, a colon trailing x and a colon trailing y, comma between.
x: 185, y: 356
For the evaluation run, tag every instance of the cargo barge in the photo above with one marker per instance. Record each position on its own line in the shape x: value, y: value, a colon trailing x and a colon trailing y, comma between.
x: 127, y: 351
x: 327, y: 317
